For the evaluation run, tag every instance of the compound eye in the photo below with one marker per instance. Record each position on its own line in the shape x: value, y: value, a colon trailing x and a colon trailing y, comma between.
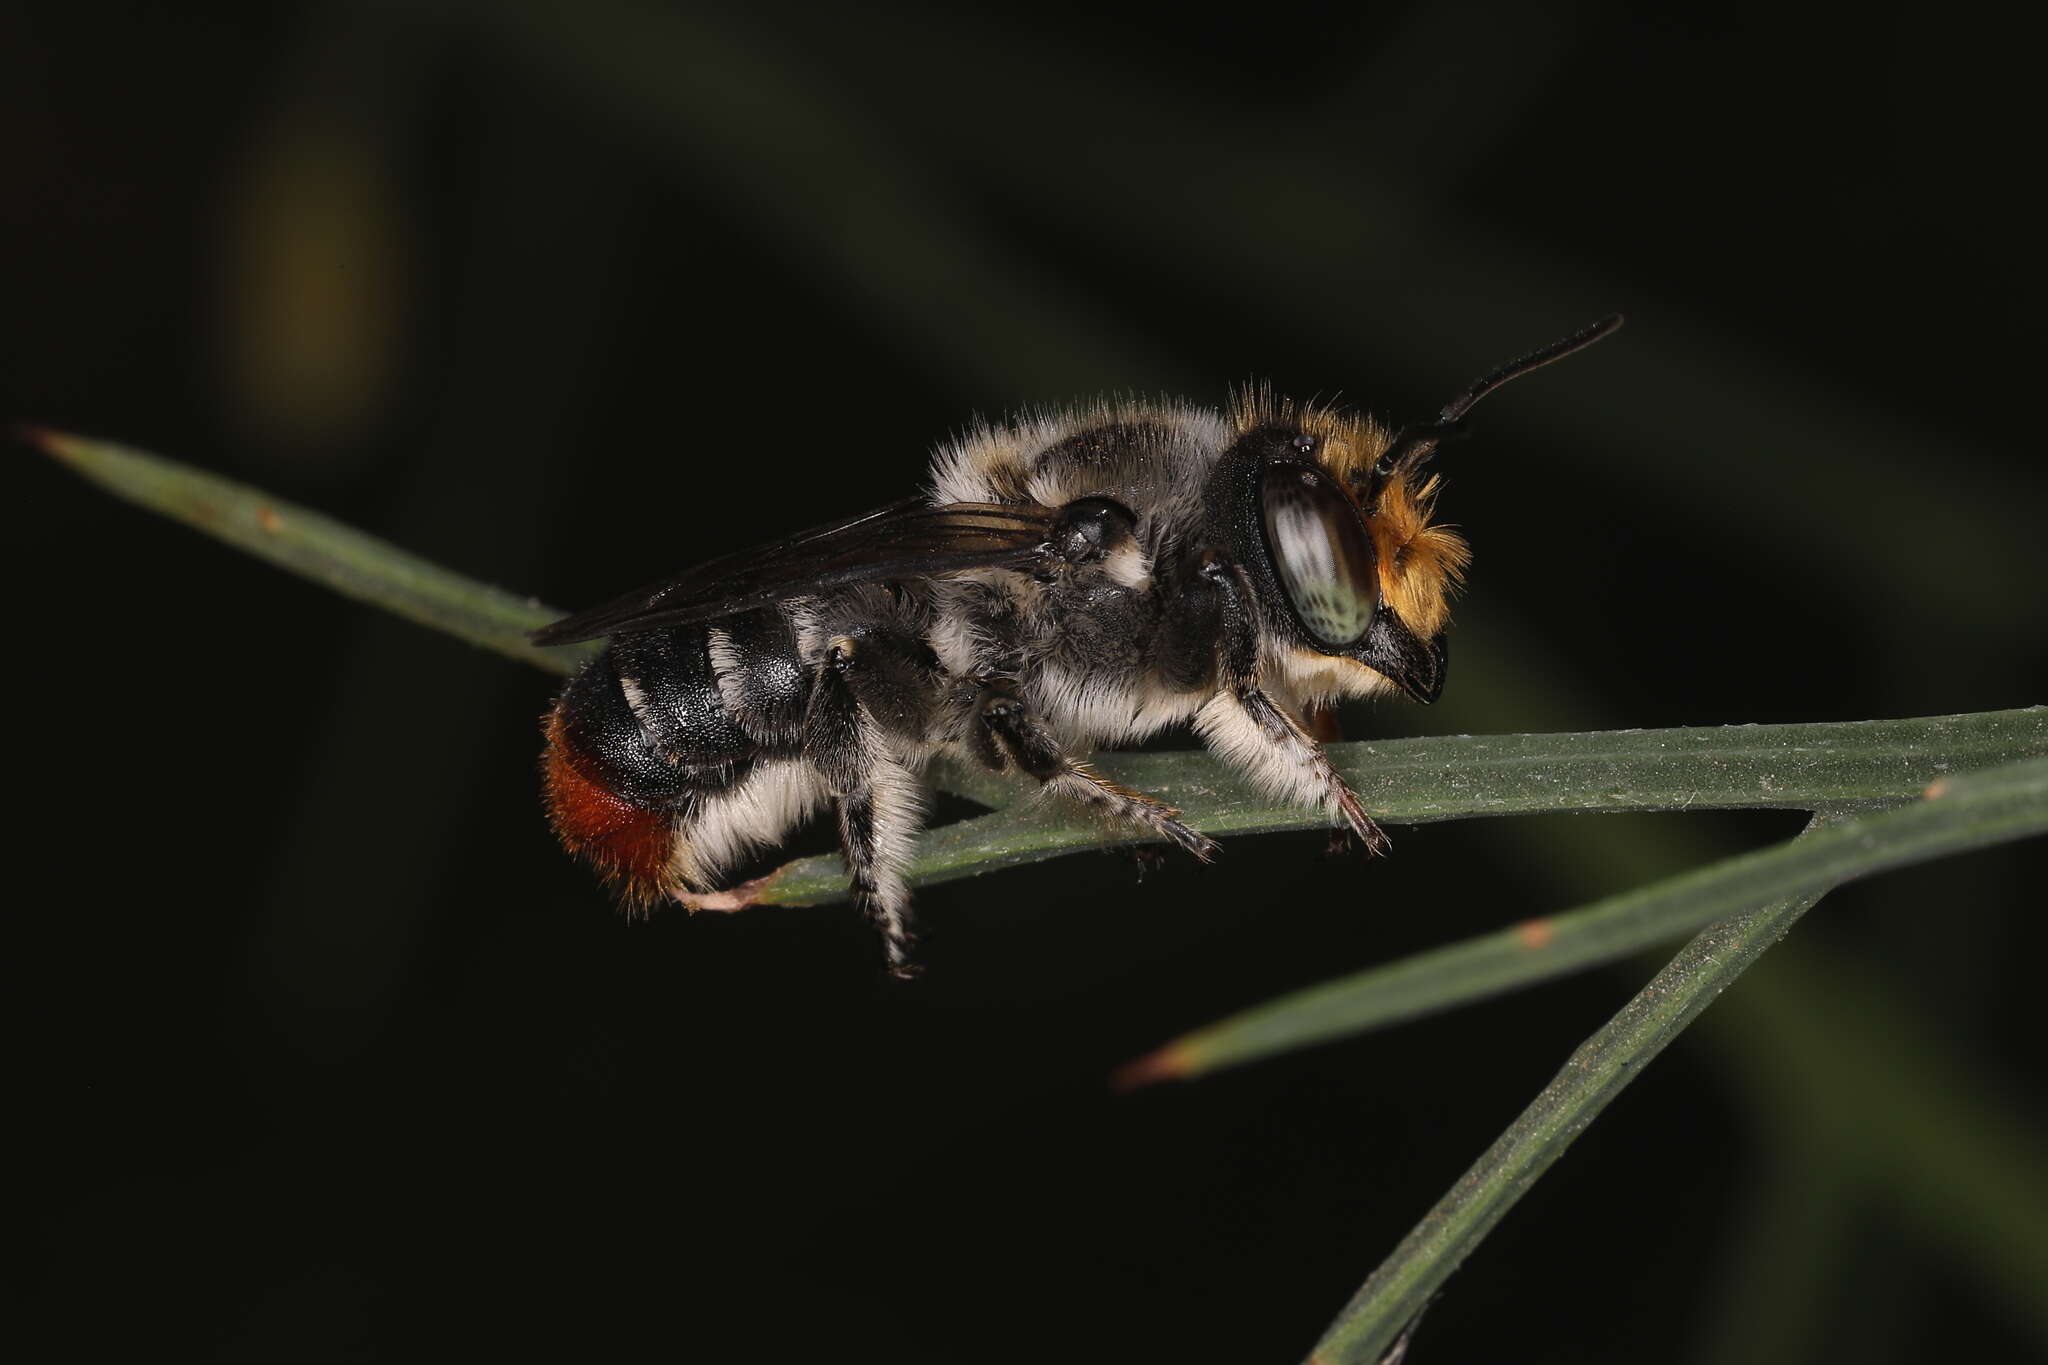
x: 1321, y: 553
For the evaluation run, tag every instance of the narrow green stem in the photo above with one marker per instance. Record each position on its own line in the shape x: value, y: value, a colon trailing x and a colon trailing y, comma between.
x: 2001, y: 804
x: 1589, y: 1080
x: 1963, y: 812
x: 315, y: 546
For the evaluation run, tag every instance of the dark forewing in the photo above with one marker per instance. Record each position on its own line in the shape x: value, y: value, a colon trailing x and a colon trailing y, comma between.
x: 910, y: 539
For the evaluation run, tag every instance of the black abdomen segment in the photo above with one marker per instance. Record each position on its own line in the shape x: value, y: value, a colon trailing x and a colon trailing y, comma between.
x: 642, y: 736
x: 647, y: 710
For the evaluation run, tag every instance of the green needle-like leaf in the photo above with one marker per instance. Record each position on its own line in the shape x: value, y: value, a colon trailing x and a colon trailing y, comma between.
x: 1837, y: 766
x: 2001, y: 804
x: 1406, y: 1281
x: 1965, y: 812
x: 322, y: 549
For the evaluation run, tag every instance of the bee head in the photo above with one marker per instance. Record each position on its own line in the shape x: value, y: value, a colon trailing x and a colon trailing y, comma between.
x: 1354, y: 582
x: 1329, y: 513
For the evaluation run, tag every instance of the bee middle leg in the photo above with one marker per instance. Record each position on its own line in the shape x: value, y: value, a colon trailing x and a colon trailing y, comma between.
x: 1012, y: 730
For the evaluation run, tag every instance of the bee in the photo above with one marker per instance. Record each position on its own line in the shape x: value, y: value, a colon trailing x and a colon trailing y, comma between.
x: 1069, y: 580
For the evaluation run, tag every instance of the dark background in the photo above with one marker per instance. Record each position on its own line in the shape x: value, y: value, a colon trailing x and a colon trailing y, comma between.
x: 324, y: 1051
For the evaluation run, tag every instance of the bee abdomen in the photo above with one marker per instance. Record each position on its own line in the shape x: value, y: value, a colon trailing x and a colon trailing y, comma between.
x: 644, y: 741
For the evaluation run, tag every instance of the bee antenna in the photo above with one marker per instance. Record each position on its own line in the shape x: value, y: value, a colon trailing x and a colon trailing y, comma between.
x: 1535, y: 360
x: 1416, y: 443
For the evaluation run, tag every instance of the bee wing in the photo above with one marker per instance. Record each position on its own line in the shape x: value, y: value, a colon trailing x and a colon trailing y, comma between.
x: 910, y: 539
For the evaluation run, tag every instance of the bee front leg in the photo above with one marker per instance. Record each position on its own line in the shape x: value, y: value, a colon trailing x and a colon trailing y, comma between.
x: 879, y: 802
x: 1324, y: 727
x: 1013, y: 730
x: 1246, y: 726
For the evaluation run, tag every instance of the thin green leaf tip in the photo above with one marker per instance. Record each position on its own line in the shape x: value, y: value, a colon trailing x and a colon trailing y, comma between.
x: 1956, y: 812
x: 315, y: 546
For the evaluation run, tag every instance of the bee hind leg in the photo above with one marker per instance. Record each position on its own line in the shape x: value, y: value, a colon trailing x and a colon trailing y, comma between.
x: 1013, y: 730
x: 879, y: 805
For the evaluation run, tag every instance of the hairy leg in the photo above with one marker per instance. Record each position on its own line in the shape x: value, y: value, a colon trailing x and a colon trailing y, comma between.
x: 1248, y: 727
x: 879, y: 801
x: 1019, y: 736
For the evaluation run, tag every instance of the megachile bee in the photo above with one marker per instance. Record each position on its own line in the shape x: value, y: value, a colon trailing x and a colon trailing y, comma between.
x: 1070, y: 580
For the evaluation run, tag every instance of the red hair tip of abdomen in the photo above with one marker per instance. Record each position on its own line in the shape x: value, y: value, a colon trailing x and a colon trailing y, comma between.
x: 629, y: 844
